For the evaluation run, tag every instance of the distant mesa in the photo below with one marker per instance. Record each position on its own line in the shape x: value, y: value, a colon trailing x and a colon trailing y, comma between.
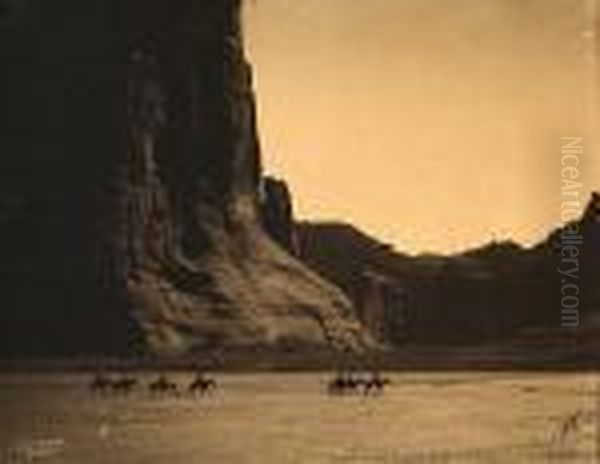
x: 496, y: 249
x: 491, y: 294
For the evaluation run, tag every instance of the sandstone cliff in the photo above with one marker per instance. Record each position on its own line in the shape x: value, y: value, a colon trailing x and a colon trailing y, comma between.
x: 484, y: 295
x: 131, y: 212
x: 278, y: 214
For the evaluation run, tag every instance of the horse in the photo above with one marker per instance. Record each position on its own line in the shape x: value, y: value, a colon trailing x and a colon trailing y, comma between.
x: 101, y: 383
x: 342, y: 384
x: 124, y: 384
x: 375, y: 384
x: 202, y: 385
x: 163, y: 385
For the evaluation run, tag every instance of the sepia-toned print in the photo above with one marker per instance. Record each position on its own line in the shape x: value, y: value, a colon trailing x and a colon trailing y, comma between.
x: 299, y: 231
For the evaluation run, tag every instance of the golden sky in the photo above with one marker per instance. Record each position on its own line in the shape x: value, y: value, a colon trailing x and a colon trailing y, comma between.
x: 434, y: 125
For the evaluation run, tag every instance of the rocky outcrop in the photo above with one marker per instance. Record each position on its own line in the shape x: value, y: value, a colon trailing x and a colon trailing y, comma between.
x: 145, y: 233
x: 491, y: 293
x: 277, y: 213
x: 370, y: 273
x: 63, y: 146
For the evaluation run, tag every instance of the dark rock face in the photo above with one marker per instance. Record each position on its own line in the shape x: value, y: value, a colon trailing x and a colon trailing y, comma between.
x: 368, y: 271
x: 131, y: 216
x: 277, y: 213
x: 62, y: 141
x: 491, y: 293
x: 384, y: 307
x: 580, y: 266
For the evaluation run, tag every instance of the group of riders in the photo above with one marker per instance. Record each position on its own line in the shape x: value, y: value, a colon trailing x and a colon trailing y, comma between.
x: 201, y: 384
x: 349, y: 382
x: 342, y: 383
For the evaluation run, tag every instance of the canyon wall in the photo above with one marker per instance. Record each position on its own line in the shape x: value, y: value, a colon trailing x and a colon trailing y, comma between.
x: 131, y: 215
x: 501, y: 291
